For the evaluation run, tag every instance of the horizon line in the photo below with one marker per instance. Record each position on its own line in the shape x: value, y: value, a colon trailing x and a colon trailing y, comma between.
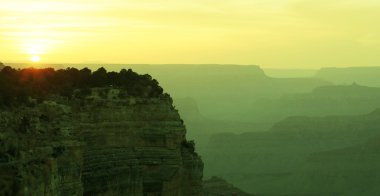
x: 189, y: 64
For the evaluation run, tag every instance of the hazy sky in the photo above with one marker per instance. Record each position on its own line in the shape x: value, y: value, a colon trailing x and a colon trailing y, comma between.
x: 270, y: 33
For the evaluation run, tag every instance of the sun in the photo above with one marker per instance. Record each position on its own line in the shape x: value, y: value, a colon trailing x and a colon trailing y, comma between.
x: 35, y: 59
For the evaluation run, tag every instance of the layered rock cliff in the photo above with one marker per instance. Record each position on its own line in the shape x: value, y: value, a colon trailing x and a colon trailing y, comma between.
x: 100, y: 144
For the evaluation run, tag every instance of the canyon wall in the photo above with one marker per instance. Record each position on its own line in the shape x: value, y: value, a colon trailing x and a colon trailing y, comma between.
x: 100, y: 144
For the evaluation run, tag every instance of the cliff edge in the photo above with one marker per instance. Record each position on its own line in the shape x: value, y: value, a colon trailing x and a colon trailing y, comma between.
x: 103, y: 143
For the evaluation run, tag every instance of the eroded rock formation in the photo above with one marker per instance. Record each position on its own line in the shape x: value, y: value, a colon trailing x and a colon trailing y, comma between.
x: 97, y: 145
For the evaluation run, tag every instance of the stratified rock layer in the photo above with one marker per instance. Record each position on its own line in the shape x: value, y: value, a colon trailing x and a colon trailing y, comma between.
x: 98, y: 145
x: 38, y: 153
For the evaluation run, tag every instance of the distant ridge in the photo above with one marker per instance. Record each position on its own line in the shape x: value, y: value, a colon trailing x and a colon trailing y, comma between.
x: 353, y: 90
x: 368, y: 76
x: 302, y: 156
x: 323, y: 100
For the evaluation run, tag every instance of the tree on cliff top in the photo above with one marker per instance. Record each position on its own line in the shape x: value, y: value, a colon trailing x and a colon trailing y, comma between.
x: 16, y: 85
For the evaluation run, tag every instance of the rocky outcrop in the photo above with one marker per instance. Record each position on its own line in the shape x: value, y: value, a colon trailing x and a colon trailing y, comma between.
x: 97, y: 145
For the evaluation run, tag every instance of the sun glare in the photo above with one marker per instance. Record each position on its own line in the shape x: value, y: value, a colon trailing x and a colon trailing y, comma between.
x: 35, y: 59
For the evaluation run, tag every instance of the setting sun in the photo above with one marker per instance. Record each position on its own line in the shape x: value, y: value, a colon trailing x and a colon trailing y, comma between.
x: 35, y: 59
x: 298, y: 33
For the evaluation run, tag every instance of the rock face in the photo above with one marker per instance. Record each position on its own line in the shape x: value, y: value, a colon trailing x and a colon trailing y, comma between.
x: 97, y: 145
x: 38, y: 153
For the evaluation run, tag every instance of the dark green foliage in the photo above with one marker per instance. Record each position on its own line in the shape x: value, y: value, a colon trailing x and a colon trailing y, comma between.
x: 189, y: 145
x: 59, y: 150
x: 18, y: 85
x: 24, y: 125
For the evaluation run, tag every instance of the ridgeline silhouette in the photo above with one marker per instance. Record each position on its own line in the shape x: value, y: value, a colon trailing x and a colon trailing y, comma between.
x: 18, y: 85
